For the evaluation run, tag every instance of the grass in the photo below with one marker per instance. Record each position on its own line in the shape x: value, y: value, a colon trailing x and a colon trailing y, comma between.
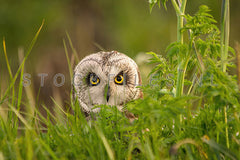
x: 197, y: 120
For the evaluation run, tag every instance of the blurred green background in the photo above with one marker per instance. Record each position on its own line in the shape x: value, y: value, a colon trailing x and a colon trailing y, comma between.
x: 126, y: 26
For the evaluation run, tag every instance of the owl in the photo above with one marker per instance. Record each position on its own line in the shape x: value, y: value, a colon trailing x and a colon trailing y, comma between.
x: 109, y: 78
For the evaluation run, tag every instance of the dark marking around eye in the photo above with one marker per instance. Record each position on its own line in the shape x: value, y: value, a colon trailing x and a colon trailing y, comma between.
x: 121, y: 79
x: 92, y: 79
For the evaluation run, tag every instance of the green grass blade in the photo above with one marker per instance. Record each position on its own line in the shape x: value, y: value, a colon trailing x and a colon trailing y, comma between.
x: 20, y: 83
x: 59, y: 113
x: 21, y: 66
x: 34, y: 41
x: 19, y: 98
x: 60, y: 108
x: 21, y: 118
x: 73, y: 49
x: 29, y: 148
x: 48, y: 149
x: 99, y: 46
x: 68, y: 60
x: 219, y: 148
x: 10, y: 74
x: 6, y: 59
x: 105, y: 143
x: 49, y: 113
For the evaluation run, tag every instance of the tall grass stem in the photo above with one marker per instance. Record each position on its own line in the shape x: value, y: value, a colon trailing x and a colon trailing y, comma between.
x: 180, y: 11
x: 225, y: 29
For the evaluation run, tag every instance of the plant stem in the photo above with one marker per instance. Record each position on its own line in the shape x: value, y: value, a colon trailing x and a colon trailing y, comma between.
x: 225, y: 27
x: 226, y: 129
x: 182, y: 66
x: 180, y: 9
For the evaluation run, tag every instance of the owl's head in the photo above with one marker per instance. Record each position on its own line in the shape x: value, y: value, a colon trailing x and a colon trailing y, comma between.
x: 109, y: 78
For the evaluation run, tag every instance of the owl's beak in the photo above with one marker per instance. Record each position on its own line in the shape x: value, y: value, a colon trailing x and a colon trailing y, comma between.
x: 107, y: 92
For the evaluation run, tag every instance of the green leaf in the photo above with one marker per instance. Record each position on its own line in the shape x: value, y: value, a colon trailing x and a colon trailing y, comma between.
x: 158, y: 2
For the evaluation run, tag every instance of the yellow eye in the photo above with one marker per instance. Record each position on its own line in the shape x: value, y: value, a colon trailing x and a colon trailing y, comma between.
x: 94, y: 80
x: 119, y: 79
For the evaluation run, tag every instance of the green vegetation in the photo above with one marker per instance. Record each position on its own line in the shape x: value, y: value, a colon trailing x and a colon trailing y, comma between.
x: 190, y: 108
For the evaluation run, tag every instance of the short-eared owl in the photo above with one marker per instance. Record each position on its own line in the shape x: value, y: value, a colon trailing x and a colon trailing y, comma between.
x: 109, y: 78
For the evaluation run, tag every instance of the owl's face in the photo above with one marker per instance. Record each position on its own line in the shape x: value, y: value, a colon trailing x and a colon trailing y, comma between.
x: 107, y: 78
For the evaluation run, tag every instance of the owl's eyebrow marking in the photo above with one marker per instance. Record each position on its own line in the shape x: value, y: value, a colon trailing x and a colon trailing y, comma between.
x: 120, y: 73
x: 90, y: 59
